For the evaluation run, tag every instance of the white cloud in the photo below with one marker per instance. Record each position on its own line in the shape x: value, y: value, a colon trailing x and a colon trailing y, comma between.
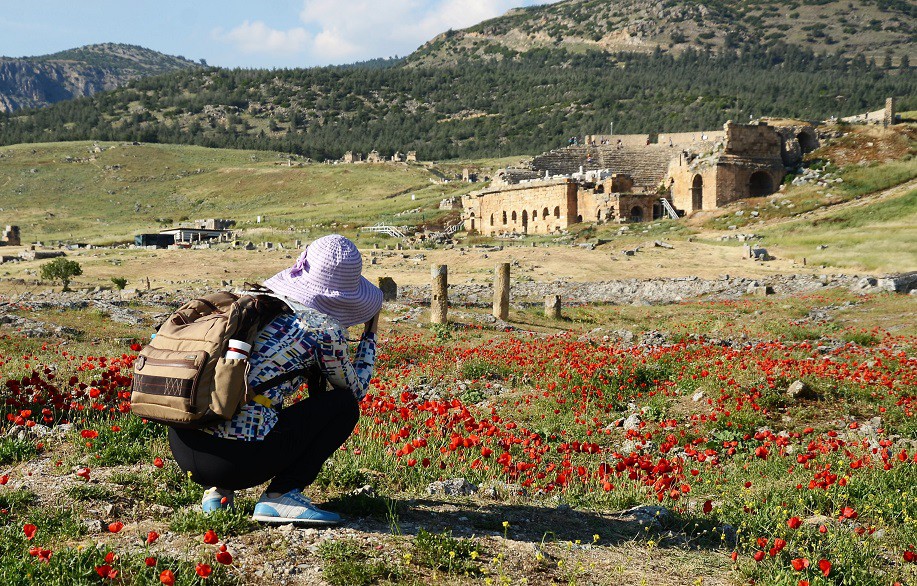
x: 257, y: 37
x: 336, y: 31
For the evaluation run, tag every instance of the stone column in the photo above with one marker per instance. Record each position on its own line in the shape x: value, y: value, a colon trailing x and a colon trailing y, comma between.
x: 501, y: 291
x: 552, y: 306
x: 389, y: 288
x: 439, y: 302
x: 888, y: 117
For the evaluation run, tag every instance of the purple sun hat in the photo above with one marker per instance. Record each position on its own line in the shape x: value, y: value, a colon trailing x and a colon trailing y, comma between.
x: 327, y: 278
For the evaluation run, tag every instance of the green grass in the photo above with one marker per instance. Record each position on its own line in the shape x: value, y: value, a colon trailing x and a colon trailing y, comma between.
x: 878, y: 236
x: 347, y: 565
x: 98, y: 201
x: 235, y: 521
x: 16, y: 450
x: 446, y: 553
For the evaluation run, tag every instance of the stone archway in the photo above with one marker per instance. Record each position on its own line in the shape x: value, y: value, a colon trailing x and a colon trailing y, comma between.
x: 525, y: 222
x: 556, y: 211
x: 636, y: 214
x: 760, y: 184
x: 807, y: 141
x: 472, y: 221
x: 697, y: 193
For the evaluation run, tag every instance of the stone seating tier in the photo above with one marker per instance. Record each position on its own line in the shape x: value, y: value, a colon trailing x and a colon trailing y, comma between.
x: 647, y: 166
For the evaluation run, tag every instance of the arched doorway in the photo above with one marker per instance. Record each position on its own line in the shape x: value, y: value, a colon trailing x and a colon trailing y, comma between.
x: 525, y: 221
x: 514, y: 217
x: 544, y: 213
x: 697, y: 193
x: 636, y: 214
x: 534, y: 215
x: 504, y: 217
x: 657, y: 211
x: 760, y: 184
x: 472, y: 221
x: 807, y: 141
x: 556, y: 211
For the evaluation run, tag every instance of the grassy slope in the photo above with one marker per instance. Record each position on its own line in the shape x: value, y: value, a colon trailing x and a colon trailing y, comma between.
x: 877, y: 236
x: 92, y: 201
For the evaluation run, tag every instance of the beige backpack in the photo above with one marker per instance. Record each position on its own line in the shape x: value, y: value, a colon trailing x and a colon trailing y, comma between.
x: 182, y: 379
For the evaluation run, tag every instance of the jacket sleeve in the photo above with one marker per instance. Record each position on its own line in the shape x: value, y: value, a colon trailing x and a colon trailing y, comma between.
x: 336, y: 365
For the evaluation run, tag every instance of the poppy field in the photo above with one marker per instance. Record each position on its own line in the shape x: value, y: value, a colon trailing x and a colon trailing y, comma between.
x: 785, y: 457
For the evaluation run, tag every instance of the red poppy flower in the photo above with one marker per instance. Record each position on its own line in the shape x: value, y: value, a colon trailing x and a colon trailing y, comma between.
x: 799, y: 564
x: 708, y: 506
x: 4, y: 479
x: 211, y: 537
x: 116, y: 526
x: 151, y: 537
x: 29, y: 530
x: 203, y: 570
x: 106, y: 571
x: 825, y: 567
x: 759, y: 555
x: 167, y: 577
x: 157, y: 461
x: 150, y: 562
x: 224, y: 558
x: 89, y: 433
x: 794, y: 522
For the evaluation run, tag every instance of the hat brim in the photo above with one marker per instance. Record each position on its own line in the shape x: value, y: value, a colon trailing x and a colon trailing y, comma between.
x: 349, y: 308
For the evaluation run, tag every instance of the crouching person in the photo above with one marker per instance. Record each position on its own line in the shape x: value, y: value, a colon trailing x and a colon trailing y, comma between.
x: 287, y: 445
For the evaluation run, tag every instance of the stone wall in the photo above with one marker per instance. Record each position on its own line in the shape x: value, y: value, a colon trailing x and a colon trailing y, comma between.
x: 627, y: 140
x: 10, y: 236
x: 752, y: 141
x: 700, y: 139
x: 537, y: 208
x: 548, y: 206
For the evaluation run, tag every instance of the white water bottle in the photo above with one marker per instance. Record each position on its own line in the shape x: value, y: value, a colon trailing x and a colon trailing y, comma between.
x: 238, y: 350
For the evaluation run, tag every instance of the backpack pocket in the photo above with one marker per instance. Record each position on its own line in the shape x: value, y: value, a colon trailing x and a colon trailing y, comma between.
x: 166, y: 379
x: 230, y: 375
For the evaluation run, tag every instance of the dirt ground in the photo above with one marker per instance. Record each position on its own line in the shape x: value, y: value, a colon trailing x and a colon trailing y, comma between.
x: 171, y: 269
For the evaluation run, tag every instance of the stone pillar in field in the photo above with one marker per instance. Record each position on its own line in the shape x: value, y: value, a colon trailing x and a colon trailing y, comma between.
x: 501, y: 291
x: 888, y: 117
x: 439, y: 303
x: 552, y: 306
x: 389, y: 288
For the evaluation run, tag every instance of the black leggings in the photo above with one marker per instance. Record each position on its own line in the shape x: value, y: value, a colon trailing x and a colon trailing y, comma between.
x: 306, y: 434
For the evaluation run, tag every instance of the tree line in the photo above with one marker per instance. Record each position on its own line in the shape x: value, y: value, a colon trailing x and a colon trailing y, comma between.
x: 525, y: 105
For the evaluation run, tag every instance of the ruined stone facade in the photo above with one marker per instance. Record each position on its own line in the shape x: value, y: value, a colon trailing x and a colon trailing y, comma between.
x: 693, y: 171
x: 10, y: 236
x: 550, y: 206
x: 750, y: 164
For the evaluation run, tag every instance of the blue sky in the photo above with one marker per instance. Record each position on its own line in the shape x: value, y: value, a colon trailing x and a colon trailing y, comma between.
x: 276, y: 33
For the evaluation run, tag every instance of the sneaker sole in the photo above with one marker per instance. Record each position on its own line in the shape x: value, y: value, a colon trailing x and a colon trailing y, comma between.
x: 266, y: 519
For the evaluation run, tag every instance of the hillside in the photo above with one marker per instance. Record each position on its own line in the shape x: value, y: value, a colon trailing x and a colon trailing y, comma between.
x: 69, y: 192
x: 873, y: 28
x: 31, y: 82
x: 520, y: 106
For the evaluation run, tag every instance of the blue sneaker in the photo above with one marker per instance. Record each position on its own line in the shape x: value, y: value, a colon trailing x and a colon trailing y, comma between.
x: 213, y: 500
x: 292, y: 507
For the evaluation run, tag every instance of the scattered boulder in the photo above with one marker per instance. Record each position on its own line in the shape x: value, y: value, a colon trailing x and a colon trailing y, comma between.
x: 800, y: 390
x: 452, y: 487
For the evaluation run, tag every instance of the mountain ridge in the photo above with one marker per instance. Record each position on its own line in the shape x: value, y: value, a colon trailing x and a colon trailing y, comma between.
x: 849, y: 27
x: 34, y: 82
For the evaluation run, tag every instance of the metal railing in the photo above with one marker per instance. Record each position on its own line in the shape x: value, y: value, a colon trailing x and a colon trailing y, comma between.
x: 384, y: 229
x: 668, y: 208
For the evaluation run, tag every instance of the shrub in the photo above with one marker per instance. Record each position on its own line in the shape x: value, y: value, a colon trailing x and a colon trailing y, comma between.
x: 61, y: 269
